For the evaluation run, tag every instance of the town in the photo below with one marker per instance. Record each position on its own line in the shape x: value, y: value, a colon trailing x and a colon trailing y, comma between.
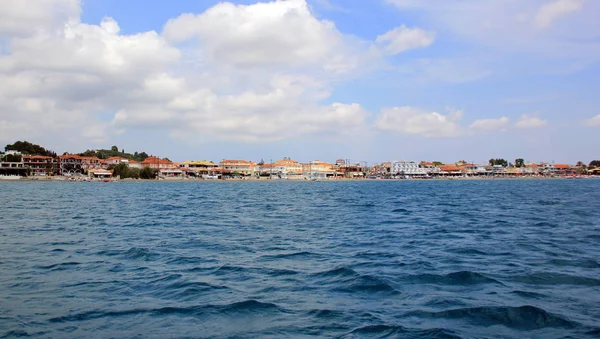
x: 25, y: 160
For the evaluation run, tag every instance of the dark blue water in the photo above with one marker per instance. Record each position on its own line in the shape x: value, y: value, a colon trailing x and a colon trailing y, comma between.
x: 432, y: 259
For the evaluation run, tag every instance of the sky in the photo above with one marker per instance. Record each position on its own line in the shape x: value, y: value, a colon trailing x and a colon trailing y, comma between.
x: 374, y: 81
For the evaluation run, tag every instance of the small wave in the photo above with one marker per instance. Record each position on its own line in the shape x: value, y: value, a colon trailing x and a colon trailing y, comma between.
x: 347, y: 280
x: 556, y: 279
x: 325, y: 314
x: 289, y: 255
x: 140, y: 253
x: 401, y: 210
x: 455, y: 278
x: 468, y: 251
x: 59, y: 266
x: 381, y: 331
x: 188, y: 289
x: 337, y: 272
x: 247, y: 306
x: 589, y: 263
x: 527, y: 294
x: 15, y: 334
x: 523, y: 317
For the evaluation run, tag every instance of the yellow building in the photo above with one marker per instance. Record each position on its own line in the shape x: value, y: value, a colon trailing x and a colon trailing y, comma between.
x: 243, y: 167
x: 288, y: 166
x: 318, y: 168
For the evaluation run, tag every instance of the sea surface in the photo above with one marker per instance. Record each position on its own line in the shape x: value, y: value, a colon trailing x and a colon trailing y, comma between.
x: 400, y: 259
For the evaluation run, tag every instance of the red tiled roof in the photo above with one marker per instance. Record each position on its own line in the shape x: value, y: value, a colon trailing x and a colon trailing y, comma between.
x: 562, y: 166
x: 449, y: 168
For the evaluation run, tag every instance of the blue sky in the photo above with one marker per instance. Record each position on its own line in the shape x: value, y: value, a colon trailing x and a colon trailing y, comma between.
x: 310, y: 79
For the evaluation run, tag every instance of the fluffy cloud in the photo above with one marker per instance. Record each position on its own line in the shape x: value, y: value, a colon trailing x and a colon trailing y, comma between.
x: 23, y: 18
x: 514, y: 25
x: 552, y: 11
x: 410, y: 120
x: 489, y: 124
x: 595, y: 121
x: 264, y: 34
x: 232, y: 72
x: 403, y: 38
x: 530, y: 121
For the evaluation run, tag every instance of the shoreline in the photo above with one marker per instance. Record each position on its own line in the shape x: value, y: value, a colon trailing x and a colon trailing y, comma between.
x: 187, y: 180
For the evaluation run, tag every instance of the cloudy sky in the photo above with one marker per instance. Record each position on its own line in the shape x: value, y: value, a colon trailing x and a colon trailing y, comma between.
x: 364, y: 80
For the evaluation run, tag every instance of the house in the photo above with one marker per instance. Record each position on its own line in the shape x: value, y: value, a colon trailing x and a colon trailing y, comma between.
x: 100, y: 173
x: 562, y: 169
x: 409, y: 168
x: 135, y: 164
x: 116, y: 161
x: 450, y: 170
x: 349, y: 170
x: 157, y: 163
x: 317, y: 168
x: 242, y: 167
x: 289, y: 167
x: 11, y: 163
x: 198, y: 167
x: 39, y: 164
x: 473, y: 169
x: 69, y: 164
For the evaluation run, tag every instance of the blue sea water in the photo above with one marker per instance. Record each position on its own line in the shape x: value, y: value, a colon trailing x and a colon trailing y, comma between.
x: 404, y: 259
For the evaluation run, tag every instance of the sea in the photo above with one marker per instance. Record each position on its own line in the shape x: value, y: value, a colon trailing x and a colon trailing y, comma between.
x: 279, y: 259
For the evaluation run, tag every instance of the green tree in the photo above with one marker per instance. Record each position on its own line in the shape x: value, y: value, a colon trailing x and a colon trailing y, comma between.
x: 261, y: 162
x: 114, y: 149
x: 501, y: 162
x: 13, y: 158
x: 520, y: 162
x: 594, y: 164
x: 437, y: 163
x: 580, y: 164
x: 148, y: 173
x: 26, y: 147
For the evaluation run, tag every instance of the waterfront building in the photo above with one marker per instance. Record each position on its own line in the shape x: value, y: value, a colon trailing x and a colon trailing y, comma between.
x: 39, y: 164
x: 100, y: 173
x: 11, y: 164
x: 116, y: 161
x: 70, y: 164
x: 243, y: 167
x: 198, y: 167
x: 348, y: 170
x: 474, y: 169
x: 157, y: 163
x: 135, y: 164
x: 288, y: 167
x: 318, y: 169
x: 409, y: 168
x: 449, y: 170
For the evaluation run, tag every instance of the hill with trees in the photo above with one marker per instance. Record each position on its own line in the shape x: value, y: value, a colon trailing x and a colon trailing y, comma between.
x: 25, y: 147
x: 114, y: 152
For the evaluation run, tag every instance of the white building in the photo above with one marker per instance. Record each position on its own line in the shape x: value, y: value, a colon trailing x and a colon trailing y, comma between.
x: 406, y: 168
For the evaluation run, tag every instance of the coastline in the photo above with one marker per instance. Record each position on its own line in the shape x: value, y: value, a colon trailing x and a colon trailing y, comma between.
x: 188, y: 180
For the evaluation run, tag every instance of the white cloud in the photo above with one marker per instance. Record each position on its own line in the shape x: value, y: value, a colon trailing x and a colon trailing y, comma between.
x: 553, y: 10
x: 410, y: 120
x: 513, y: 26
x: 530, y: 121
x: 281, y: 33
x: 402, y: 38
x: 489, y: 124
x: 595, y: 121
x: 256, y: 78
x: 22, y: 18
